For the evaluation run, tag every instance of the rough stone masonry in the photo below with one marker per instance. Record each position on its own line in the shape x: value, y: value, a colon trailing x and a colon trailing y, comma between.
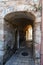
x: 7, y: 31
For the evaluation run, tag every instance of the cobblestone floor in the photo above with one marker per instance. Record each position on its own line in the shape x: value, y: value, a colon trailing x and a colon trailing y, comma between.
x: 19, y: 59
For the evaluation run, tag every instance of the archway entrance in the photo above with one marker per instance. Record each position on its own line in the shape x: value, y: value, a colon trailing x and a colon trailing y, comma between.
x: 19, y: 35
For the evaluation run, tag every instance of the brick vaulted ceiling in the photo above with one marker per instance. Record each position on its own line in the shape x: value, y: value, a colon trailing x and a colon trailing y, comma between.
x: 20, y: 18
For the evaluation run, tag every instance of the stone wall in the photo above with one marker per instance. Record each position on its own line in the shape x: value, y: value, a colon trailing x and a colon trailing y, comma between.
x: 37, y: 37
x: 9, y: 40
x: 37, y: 40
x: 1, y: 40
x: 7, y: 31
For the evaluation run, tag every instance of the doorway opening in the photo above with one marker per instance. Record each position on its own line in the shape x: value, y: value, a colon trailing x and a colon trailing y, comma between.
x: 29, y: 33
x: 19, y: 35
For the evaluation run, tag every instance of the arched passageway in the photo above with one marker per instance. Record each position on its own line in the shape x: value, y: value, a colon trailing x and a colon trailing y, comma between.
x: 19, y: 37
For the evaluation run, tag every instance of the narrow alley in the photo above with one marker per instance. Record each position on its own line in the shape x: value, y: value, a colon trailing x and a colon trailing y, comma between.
x: 21, y: 57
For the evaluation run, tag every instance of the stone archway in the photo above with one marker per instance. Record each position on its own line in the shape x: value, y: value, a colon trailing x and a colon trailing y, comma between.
x: 11, y: 19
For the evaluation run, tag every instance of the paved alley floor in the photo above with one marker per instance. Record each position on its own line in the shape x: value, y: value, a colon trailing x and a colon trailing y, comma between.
x: 19, y: 59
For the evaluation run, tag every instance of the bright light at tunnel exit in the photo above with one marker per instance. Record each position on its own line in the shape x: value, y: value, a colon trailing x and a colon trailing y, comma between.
x: 29, y: 33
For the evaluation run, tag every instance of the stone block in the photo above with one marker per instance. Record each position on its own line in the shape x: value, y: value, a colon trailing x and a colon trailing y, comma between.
x: 1, y: 37
x: 1, y: 60
x: 2, y: 4
x: 37, y: 54
x: 1, y: 45
x: 38, y: 19
x: 1, y: 31
x: 37, y: 39
x: 1, y: 26
x: 37, y: 61
x: 2, y: 12
x: 37, y: 46
x: 1, y: 20
x: 11, y: 3
x: 2, y: 53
